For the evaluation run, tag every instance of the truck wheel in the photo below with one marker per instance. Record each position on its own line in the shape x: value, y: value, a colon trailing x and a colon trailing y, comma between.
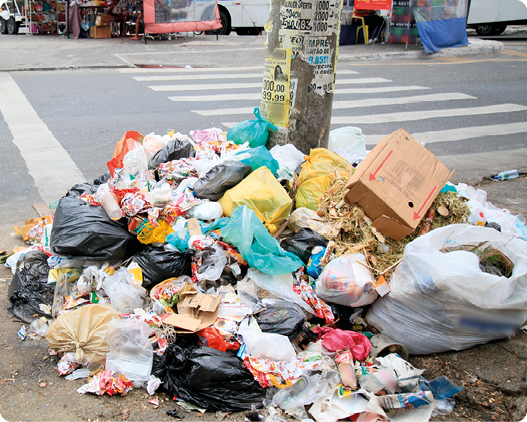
x: 484, y: 29
x: 498, y: 29
x: 12, y: 27
x: 225, y: 26
x: 3, y: 26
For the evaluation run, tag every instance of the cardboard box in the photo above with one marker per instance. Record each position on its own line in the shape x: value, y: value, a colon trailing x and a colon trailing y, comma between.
x: 103, y: 20
x: 195, y: 312
x: 100, y: 32
x: 396, y: 184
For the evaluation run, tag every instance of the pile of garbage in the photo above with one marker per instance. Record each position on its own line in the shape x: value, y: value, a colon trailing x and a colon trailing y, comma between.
x: 234, y: 277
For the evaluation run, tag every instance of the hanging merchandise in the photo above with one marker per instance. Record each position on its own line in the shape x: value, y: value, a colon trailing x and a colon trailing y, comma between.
x: 262, y: 193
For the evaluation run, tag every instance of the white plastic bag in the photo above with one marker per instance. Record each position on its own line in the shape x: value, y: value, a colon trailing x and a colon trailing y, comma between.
x: 153, y: 143
x: 443, y: 301
x: 349, y: 139
x: 347, y: 281
x: 206, y: 211
x: 129, y: 351
x: 270, y: 346
x: 124, y: 291
x: 288, y: 157
x: 135, y: 161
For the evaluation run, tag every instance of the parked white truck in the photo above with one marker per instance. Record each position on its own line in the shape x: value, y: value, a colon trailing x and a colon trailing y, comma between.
x: 491, y: 17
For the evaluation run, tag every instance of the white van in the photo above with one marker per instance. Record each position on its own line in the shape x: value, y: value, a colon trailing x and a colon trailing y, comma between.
x: 246, y: 17
x: 491, y: 17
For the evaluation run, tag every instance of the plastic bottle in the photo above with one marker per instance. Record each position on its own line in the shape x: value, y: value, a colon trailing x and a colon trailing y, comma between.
x: 505, y: 175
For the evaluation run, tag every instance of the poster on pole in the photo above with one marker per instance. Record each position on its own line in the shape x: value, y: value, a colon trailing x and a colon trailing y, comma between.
x: 373, y: 4
x: 275, y: 87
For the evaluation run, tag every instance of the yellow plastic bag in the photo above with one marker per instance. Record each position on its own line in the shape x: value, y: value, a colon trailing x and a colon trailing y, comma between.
x: 148, y: 234
x: 262, y: 193
x: 322, y: 161
x: 82, y: 331
x: 309, y: 193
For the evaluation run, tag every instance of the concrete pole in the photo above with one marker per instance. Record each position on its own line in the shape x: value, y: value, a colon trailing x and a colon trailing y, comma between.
x: 302, y: 42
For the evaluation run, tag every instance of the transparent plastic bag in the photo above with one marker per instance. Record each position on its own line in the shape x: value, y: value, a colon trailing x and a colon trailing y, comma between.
x: 255, y: 132
x: 135, y: 161
x: 124, y: 292
x: 445, y: 299
x: 129, y: 350
x: 349, y: 139
x: 206, y: 211
x: 303, y: 217
x: 213, y: 261
x: 347, y: 281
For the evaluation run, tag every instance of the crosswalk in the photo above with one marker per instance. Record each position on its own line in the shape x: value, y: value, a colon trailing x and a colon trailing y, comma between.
x: 226, y: 96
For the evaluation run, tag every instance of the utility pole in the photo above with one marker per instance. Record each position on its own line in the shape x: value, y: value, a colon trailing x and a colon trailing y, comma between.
x: 299, y: 71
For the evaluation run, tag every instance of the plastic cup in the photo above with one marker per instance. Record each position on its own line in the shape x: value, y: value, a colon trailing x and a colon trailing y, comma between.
x: 111, y: 206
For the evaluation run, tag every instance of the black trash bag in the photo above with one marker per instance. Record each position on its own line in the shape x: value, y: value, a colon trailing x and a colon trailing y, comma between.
x: 281, y: 317
x: 85, y: 231
x: 29, y: 288
x: 208, y: 378
x: 157, y: 265
x: 302, y: 242
x: 175, y: 150
x: 103, y: 178
x: 220, y: 178
x: 79, y: 189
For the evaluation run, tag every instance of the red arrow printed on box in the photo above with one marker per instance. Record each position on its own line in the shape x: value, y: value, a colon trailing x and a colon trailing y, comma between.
x: 373, y: 176
x: 416, y: 214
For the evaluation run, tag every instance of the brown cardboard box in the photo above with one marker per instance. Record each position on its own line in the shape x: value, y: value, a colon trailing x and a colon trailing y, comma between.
x: 396, y: 184
x: 103, y: 20
x: 195, y: 312
x: 100, y: 32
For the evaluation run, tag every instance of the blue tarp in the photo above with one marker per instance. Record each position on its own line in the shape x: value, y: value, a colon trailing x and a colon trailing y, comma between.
x: 444, y: 33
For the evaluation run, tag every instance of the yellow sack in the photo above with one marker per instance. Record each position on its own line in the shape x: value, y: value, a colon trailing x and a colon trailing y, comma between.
x: 309, y: 193
x: 262, y: 193
x: 322, y: 161
x: 82, y: 331
x: 148, y: 234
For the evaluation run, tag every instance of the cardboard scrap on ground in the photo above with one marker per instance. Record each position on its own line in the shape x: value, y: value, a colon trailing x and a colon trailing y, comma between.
x: 29, y: 224
x: 396, y: 184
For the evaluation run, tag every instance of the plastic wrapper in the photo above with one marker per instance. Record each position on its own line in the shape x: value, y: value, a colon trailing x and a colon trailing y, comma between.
x: 206, y: 211
x: 305, y: 218
x: 86, y: 232
x: 302, y: 243
x: 82, y: 331
x: 337, y: 339
x: 281, y: 317
x: 107, y: 382
x: 269, y: 346
x: 167, y: 292
x: 208, y: 378
x: 29, y: 288
x: 124, y: 293
x: 347, y: 281
x: 207, y: 135
x: 259, y: 157
x: 221, y: 178
x: 129, y: 349
x: 288, y: 157
x: 147, y: 234
x: 175, y: 150
x: 262, y: 251
x: 158, y: 265
x: 263, y: 194
x: 444, y: 298
x: 321, y: 162
x: 255, y: 132
x: 128, y: 142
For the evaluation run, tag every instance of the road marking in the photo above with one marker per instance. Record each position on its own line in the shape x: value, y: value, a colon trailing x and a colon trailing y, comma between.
x: 514, y: 53
x: 339, y: 105
x: 460, y: 134
x: 48, y: 163
x: 187, y: 69
x: 208, y: 87
x: 407, y: 116
x: 257, y: 95
x: 192, y: 76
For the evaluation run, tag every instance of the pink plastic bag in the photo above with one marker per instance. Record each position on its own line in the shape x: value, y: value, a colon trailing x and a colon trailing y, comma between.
x: 336, y: 339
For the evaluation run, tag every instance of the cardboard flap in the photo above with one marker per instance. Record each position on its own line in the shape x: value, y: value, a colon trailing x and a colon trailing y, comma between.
x: 210, y: 303
x: 183, y: 321
x: 392, y: 227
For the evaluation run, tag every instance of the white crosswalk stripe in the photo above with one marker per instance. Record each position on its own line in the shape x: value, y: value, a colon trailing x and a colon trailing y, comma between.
x: 244, y: 84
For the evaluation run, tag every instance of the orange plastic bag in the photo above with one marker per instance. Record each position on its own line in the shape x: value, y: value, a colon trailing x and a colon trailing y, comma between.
x: 130, y: 140
x: 211, y: 337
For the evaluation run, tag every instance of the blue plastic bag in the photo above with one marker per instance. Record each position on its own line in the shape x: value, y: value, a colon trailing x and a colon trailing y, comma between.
x: 255, y: 132
x: 179, y: 239
x: 260, y: 157
x: 262, y: 251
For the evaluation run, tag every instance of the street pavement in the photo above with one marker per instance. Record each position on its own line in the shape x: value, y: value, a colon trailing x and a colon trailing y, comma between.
x: 47, y: 52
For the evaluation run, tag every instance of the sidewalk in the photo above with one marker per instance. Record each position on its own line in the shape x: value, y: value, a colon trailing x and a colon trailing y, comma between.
x: 49, y: 52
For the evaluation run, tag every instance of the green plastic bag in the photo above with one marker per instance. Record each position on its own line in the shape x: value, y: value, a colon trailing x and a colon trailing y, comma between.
x: 255, y: 132
x: 262, y: 251
x: 260, y: 157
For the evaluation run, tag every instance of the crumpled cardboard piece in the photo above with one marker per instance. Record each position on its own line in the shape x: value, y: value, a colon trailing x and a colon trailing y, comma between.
x: 195, y: 312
